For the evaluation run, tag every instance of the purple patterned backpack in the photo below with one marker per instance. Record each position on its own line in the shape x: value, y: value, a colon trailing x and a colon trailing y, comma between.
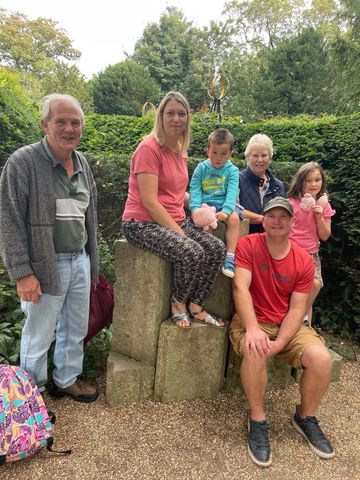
x: 25, y: 425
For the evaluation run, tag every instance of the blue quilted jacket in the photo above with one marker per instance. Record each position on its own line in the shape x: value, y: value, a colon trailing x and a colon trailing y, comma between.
x: 249, y: 193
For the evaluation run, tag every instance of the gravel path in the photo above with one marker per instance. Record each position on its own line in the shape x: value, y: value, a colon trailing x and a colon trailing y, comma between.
x: 200, y: 440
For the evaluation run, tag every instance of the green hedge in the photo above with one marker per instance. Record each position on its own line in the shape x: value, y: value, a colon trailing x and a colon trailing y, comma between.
x: 19, y: 121
x: 333, y: 141
x: 109, y: 141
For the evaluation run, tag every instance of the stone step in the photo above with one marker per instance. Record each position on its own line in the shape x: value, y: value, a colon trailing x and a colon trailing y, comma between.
x: 190, y: 362
x: 337, y: 361
x: 142, y: 301
x: 279, y: 373
x: 127, y: 380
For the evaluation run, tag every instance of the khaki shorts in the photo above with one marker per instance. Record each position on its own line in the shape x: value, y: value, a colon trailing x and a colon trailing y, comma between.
x: 291, y: 354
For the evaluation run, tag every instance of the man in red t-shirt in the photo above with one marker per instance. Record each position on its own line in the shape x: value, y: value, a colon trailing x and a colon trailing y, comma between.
x: 273, y: 278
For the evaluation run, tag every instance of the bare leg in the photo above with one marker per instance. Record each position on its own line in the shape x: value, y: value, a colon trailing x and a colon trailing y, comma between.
x: 315, y: 379
x: 313, y: 294
x: 232, y: 232
x: 253, y: 375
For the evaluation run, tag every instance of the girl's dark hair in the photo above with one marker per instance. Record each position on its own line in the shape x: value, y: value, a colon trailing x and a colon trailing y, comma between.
x: 297, y: 182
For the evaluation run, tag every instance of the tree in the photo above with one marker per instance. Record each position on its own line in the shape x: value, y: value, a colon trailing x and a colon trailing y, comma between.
x: 346, y: 58
x: 69, y: 79
x: 295, y: 77
x: 35, y: 46
x: 123, y: 88
x: 177, y: 56
x: 262, y: 23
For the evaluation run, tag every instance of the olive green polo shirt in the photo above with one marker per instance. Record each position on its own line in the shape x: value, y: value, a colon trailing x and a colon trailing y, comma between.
x: 72, y: 199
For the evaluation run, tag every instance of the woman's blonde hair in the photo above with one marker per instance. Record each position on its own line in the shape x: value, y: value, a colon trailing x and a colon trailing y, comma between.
x: 261, y: 140
x: 158, y: 130
x: 298, y: 180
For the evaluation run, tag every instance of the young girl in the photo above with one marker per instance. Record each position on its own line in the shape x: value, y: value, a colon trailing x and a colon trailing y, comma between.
x: 312, y: 219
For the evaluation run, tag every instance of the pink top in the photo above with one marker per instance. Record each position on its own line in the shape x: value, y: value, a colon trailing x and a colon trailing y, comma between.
x: 171, y: 169
x: 304, y: 230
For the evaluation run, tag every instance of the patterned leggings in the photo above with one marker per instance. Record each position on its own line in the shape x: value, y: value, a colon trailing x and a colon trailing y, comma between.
x: 196, y: 257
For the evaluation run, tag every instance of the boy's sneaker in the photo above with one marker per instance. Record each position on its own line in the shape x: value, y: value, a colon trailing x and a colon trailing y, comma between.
x: 228, y: 268
x: 258, y: 442
x: 309, y: 428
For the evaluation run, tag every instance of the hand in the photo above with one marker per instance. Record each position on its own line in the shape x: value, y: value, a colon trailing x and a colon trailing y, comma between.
x: 274, y: 349
x: 257, y: 220
x: 222, y: 216
x: 28, y: 288
x: 257, y: 343
x: 318, y: 211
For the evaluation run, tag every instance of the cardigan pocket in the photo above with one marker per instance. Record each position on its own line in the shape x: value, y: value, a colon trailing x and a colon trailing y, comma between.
x: 46, y: 272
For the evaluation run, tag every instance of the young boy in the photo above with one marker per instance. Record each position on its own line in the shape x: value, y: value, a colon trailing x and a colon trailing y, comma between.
x: 215, y: 182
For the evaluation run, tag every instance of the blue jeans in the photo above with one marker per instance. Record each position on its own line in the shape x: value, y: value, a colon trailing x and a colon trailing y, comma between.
x: 68, y: 315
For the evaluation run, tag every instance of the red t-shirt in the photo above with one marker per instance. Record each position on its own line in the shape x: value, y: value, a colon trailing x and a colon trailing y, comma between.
x: 273, y: 281
x: 171, y: 169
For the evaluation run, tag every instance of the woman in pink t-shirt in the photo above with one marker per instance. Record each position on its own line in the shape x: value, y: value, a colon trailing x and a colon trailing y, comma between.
x: 313, y: 213
x: 154, y: 217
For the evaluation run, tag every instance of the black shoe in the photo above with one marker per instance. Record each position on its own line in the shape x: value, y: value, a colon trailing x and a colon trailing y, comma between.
x: 258, y: 442
x: 309, y: 428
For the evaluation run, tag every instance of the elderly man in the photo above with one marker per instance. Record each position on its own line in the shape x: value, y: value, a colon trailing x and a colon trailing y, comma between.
x: 48, y: 243
x: 273, y: 278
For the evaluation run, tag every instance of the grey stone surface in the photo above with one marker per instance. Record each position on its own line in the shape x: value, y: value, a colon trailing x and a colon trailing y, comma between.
x: 279, y: 373
x: 190, y: 362
x: 336, y: 371
x: 220, y: 300
x: 142, y: 301
x: 127, y: 380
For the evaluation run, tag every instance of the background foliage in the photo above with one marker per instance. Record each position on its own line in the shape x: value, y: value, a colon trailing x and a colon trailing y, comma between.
x: 292, y: 59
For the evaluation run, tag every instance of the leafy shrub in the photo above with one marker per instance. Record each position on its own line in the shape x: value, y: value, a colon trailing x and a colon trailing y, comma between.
x: 109, y: 142
x: 19, y: 123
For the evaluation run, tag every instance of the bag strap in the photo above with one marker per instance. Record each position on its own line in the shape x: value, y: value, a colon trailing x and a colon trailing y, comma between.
x: 49, y: 445
x: 50, y: 440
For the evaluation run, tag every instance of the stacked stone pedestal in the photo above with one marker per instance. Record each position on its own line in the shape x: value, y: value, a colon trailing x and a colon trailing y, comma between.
x: 152, y: 357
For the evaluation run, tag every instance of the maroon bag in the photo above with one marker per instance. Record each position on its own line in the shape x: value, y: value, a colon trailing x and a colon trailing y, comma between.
x: 101, y: 307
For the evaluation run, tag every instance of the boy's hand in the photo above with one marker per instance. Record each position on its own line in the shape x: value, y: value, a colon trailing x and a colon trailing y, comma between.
x: 222, y: 216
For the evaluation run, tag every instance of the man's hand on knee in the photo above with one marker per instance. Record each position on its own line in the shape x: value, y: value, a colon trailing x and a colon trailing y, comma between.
x: 28, y: 288
x: 257, y: 343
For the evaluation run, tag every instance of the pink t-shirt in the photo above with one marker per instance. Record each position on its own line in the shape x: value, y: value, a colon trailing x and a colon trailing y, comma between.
x: 273, y: 281
x: 304, y: 230
x: 171, y: 169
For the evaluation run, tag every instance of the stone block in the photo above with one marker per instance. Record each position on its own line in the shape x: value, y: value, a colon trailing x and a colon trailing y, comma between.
x: 220, y: 300
x: 190, y: 362
x: 127, y: 380
x: 142, y: 301
x: 279, y: 373
x: 336, y: 371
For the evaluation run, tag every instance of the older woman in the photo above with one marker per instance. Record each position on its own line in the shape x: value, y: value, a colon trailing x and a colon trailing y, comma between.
x: 256, y: 183
x: 154, y: 217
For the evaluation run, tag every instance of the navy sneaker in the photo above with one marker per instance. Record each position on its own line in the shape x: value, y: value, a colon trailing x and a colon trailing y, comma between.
x: 258, y: 442
x: 309, y: 428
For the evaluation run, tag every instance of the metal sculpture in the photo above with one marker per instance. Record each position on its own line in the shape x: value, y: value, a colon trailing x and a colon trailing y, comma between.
x: 218, y: 88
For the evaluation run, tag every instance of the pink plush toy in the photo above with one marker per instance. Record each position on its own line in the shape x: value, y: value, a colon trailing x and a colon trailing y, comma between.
x: 307, y: 202
x: 204, y: 216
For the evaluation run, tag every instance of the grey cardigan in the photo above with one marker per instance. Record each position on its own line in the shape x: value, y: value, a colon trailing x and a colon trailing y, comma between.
x: 27, y: 217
